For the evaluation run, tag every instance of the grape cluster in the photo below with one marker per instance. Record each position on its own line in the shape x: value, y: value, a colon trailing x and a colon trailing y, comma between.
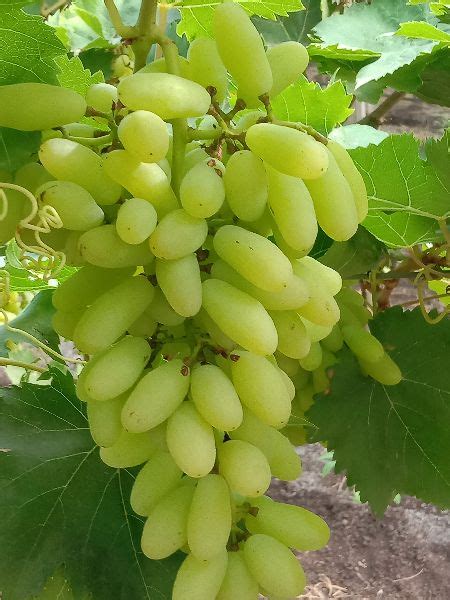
x: 205, y: 321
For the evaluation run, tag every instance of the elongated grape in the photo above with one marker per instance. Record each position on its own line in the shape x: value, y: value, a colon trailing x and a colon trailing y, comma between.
x: 321, y: 308
x: 178, y: 234
x: 313, y: 359
x: 206, y: 66
x: 129, y: 450
x: 274, y: 566
x: 136, y: 221
x: 287, y: 62
x: 199, y: 579
x: 334, y: 340
x: 293, y: 210
x: 168, y: 96
x: 104, y: 420
x: 254, y: 257
x: 144, y: 135
x: 157, y: 478
x: 37, y: 106
x: 143, y: 180
x: 244, y: 467
x: 246, y: 185
x: 217, y: 336
x: 202, y: 190
x: 330, y: 278
x: 185, y: 299
x: 101, y: 96
x: 316, y: 333
x: 288, y: 150
x: 31, y: 176
x: 161, y: 311
x: 240, y: 317
x: 384, y: 370
x: 70, y: 161
x: 166, y: 386
x: 362, y: 343
x: 193, y: 157
x: 238, y: 583
x: 289, y: 365
x: 215, y: 398
x: 110, y: 315
x: 293, y: 339
x: 64, y: 322
x: 159, y: 66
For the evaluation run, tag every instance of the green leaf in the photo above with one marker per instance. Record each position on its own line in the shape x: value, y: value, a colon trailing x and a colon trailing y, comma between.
x: 402, y: 230
x: 73, y: 75
x: 438, y: 165
x: 357, y: 136
x: 424, y: 31
x: 61, y: 505
x: 307, y: 102
x: 17, y: 147
x: 296, y: 26
x: 435, y: 80
x: 393, y: 439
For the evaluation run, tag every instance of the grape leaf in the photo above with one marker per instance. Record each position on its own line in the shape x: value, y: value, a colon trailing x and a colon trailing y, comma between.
x: 401, y: 230
x: 435, y: 80
x: 393, y: 439
x: 423, y: 31
x: 357, y: 136
x: 438, y: 164
x: 73, y: 75
x: 61, y: 505
x: 17, y: 147
x: 296, y: 26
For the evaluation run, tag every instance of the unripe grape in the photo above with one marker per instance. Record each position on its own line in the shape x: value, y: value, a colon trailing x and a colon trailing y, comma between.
x: 385, y: 370
x: 202, y: 190
x: 31, y: 176
x: 334, y: 340
x: 129, y: 450
x: 17, y: 210
x: 206, y: 67
x: 101, y: 97
x: 238, y: 583
x: 159, y: 66
x: 313, y: 359
x: 293, y: 339
x: 104, y: 420
x: 64, y: 322
x: 215, y: 333
x: 178, y: 234
x: 321, y: 308
x: 289, y: 365
x: 246, y: 185
x: 362, y: 343
x: 193, y: 157
x: 161, y: 311
x: 330, y: 278
x: 136, y: 220
x: 244, y: 467
x: 288, y: 61
x: 185, y: 299
x: 316, y: 333
x: 144, y: 135
x: 199, y: 579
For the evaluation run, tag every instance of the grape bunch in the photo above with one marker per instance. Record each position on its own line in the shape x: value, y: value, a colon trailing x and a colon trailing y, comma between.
x: 205, y: 322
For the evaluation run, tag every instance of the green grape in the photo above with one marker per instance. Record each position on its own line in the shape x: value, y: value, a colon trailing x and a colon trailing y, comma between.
x: 261, y: 388
x: 289, y: 365
x: 215, y: 398
x: 244, y: 120
x: 70, y: 161
x: 279, y: 452
x: 129, y: 450
x: 185, y: 299
x: 31, y: 176
x: 349, y: 296
x: 246, y: 185
x: 75, y: 206
x: 136, y: 221
x: 334, y: 340
x: 159, y: 66
x: 206, y: 67
x: 293, y: 339
x: 287, y: 61
x: 165, y: 166
x: 362, y: 343
x: 291, y: 525
x: 316, y: 333
x: 161, y: 311
x: 242, y: 318
x: 80, y: 130
x: 37, y: 106
x: 330, y: 278
x: 322, y: 308
x: 178, y: 234
x: 244, y: 467
x: 238, y: 583
x: 143, y: 180
x: 254, y: 257
x: 102, y: 247
x: 64, y: 322
x: 104, y: 420
x: 167, y: 387
x: 302, y: 378
x: 215, y: 333
x: 293, y: 210
x: 353, y: 176
x: 313, y: 359
x: 288, y: 383
x: 288, y: 150
x: 110, y: 315
x: 18, y: 206
x: 334, y: 202
x: 158, y: 477
x: 242, y: 51
x: 165, y: 531
x: 384, y: 370
x: 185, y: 425
x: 202, y: 190
x: 101, y: 97
x: 144, y: 326
x: 193, y: 157
x: 144, y: 135
x: 199, y: 579
x: 168, y: 96
x: 209, y: 520
x: 320, y: 380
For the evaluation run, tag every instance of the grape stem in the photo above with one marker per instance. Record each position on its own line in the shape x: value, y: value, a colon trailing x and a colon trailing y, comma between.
x: 303, y: 128
x: 8, y: 362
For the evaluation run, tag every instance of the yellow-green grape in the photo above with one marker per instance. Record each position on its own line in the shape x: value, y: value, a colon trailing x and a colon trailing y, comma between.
x: 185, y: 299
x: 69, y: 161
x: 215, y: 398
x: 202, y: 190
x: 166, y: 167
x: 206, y: 66
x: 287, y: 62
x: 242, y: 51
x: 165, y: 530
x: 193, y: 157
x: 274, y: 566
x: 129, y: 450
x: 209, y: 520
x: 320, y: 380
x: 199, y: 579
x: 288, y: 150
x: 246, y: 185
x: 168, y: 96
x: 316, y: 333
x: 385, y: 370
x: 167, y: 386
x: 261, y: 388
x: 144, y: 326
x: 280, y: 453
x: 288, y: 383
x: 291, y: 525
x: 37, y: 106
x: 329, y: 278
x: 349, y: 296
x: 72, y: 250
x: 110, y: 315
x: 334, y: 340
x: 64, y: 322
x: 31, y: 176
x: 143, y: 180
x: 79, y: 130
x: 313, y: 359
x: 244, y: 467
x: 353, y: 176
x: 238, y: 583
x: 293, y: 339
x: 157, y: 478
x: 159, y: 66
x: 244, y: 120
x: 178, y: 234
x: 242, y: 318
x: 101, y: 97
x: 215, y: 333
x: 349, y: 317
x: 254, y: 257
x: 334, y: 202
x: 321, y: 308
x: 144, y: 135
x: 302, y: 379
x: 293, y: 210
x: 161, y: 311
x: 136, y: 221
x: 362, y: 343
x: 104, y: 420
x: 289, y: 365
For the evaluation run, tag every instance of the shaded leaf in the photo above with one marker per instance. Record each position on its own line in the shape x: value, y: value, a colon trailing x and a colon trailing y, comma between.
x: 357, y: 136
x: 17, y: 147
x: 296, y: 26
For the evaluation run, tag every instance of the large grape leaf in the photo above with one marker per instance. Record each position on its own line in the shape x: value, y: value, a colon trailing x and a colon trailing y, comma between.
x: 435, y: 79
x: 424, y: 31
x: 400, y: 230
x: 393, y: 439
x: 73, y: 75
x: 17, y: 147
x: 61, y: 505
x: 296, y: 26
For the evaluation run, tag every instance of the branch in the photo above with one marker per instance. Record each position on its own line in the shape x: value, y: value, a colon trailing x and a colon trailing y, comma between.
x: 376, y: 116
x: 125, y: 31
